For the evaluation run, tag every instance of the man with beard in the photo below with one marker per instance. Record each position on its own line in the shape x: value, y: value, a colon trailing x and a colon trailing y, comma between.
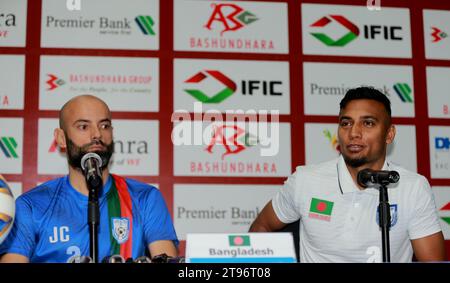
x: 338, y: 217
x: 51, y: 219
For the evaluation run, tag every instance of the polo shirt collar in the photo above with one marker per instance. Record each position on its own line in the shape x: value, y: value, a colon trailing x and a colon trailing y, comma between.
x: 345, y: 180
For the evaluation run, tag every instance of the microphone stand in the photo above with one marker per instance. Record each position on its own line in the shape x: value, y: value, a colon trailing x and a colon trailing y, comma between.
x: 94, y: 185
x: 384, y: 217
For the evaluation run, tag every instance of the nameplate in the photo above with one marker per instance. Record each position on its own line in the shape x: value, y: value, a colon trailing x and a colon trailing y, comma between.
x: 240, y: 248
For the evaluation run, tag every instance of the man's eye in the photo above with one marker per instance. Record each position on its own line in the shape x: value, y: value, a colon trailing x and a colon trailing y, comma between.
x: 82, y: 127
x: 369, y: 123
x: 345, y: 123
x: 106, y: 126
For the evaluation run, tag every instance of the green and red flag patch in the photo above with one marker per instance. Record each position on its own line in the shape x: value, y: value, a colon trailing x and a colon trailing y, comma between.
x: 320, y: 209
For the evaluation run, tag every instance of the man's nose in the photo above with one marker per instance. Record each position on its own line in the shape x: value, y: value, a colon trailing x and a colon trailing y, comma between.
x: 355, y: 131
x: 96, y: 133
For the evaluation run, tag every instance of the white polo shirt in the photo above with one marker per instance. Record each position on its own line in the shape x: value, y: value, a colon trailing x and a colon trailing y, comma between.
x: 338, y: 221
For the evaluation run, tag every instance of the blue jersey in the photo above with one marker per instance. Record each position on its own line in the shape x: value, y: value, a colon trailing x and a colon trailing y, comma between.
x: 51, y: 222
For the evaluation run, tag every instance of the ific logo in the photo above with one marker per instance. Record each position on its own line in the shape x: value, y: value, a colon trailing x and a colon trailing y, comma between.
x: 54, y: 82
x: 145, y: 23
x: 230, y: 87
x: 230, y: 16
x: 233, y: 138
x: 8, y: 146
x: 445, y: 213
x: 404, y: 92
x: 352, y: 33
x: 370, y: 32
x: 437, y: 34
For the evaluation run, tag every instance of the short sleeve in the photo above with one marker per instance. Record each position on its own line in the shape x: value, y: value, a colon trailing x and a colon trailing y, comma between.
x: 21, y: 239
x: 158, y: 223
x: 285, y: 203
x: 424, y: 219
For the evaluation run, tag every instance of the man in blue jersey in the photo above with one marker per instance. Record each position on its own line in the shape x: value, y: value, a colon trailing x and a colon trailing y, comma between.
x: 51, y: 219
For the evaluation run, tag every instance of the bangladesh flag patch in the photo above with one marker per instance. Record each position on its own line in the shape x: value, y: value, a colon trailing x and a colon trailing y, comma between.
x: 239, y: 240
x: 320, y: 209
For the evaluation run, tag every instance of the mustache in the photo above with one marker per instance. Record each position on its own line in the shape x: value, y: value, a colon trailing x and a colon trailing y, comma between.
x: 94, y: 142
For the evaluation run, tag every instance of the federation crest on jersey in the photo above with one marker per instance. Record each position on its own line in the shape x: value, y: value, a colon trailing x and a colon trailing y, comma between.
x: 393, y: 215
x: 121, y: 229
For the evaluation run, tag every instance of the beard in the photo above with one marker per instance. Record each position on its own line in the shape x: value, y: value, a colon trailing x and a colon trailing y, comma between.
x: 355, y: 162
x: 75, y: 153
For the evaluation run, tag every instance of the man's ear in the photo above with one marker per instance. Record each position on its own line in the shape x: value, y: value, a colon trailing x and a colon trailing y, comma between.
x: 60, y: 138
x: 390, y: 134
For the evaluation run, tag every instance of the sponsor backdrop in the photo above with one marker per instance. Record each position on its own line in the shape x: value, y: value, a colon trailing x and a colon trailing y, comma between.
x: 218, y: 101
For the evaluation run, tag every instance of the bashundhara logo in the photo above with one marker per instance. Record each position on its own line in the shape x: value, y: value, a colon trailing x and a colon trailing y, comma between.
x: 8, y: 146
x: 437, y: 34
x: 233, y: 138
x: 145, y: 23
x: 403, y: 91
x: 227, y: 91
x: 54, y: 82
x: 352, y: 34
x: 231, y: 16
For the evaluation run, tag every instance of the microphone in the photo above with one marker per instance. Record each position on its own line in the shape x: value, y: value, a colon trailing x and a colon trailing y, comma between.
x: 142, y: 259
x: 113, y: 259
x: 80, y: 259
x: 91, y: 164
x: 370, y: 178
x: 164, y: 258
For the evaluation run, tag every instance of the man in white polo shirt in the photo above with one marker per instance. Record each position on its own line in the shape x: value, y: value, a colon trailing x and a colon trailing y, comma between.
x: 338, y: 218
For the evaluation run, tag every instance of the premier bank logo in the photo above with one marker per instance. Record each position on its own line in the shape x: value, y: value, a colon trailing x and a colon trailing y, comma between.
x: 229, y: 17
x: 227, y: 91
x: 437, y: 34
x: 145, y: 24
x: 53, y: 82
x: 8, y: 146
x: 233, y: 138
x: 104, y: 25
x: 403, y: 91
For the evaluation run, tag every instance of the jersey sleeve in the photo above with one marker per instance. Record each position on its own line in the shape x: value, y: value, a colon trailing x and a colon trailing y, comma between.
x: 424, y: 219
x: 284, y: 203
x: 158, y: 223
x: 21, y: 239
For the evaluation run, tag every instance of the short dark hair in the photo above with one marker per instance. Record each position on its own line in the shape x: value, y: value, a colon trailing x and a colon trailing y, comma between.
x: 365, y: 92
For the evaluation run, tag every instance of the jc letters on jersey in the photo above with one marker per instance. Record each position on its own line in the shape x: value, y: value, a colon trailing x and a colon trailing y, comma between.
x: 60, y: 234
